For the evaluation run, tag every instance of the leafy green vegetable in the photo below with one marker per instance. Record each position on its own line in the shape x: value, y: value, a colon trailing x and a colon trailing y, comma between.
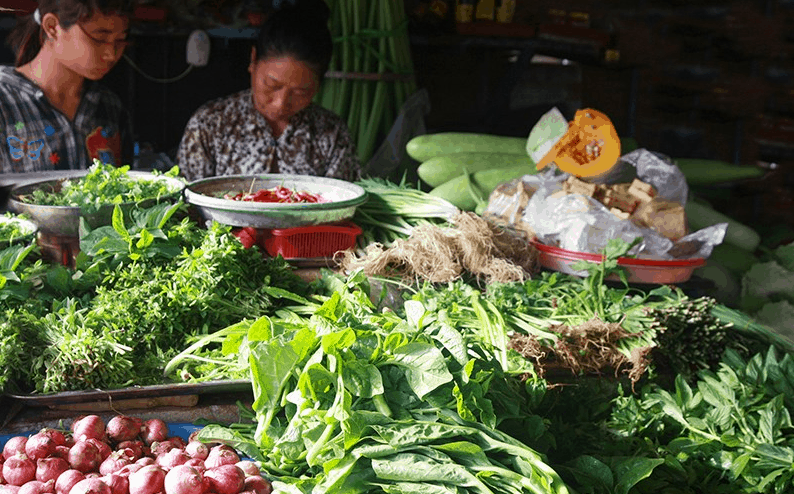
x: 351, y: 399
x: 103, y: 184
x: 778, y: 316
x: 733, y: 426
x: 11, y: 228
x: 393, y: 210
x: 142, y: 290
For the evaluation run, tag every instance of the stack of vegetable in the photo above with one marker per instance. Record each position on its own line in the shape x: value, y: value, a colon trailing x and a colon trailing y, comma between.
x: 126, y: 455
x: 464, y: 168
x: 371, y: 71
x: 434, y: 396
x: 141, y: 289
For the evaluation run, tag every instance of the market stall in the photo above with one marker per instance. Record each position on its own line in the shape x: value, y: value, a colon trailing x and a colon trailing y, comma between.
x: 438, y: 344
x: 563, y: 312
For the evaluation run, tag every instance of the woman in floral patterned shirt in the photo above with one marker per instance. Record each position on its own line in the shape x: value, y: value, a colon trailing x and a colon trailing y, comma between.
x: 274, y: 127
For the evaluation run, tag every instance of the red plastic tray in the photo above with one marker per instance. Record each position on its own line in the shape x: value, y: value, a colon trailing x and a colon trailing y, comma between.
x: 660, y: 272
x: 312, y: 241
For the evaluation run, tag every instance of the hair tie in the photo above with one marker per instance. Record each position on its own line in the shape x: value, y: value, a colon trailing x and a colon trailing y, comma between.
x: 37, y: 16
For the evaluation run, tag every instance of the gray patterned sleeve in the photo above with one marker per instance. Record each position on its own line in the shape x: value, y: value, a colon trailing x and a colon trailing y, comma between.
x: 343, y: 162
x: 195, y: 156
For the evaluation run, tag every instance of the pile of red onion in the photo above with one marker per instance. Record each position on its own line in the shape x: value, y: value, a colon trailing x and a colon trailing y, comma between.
x: 125, y: 456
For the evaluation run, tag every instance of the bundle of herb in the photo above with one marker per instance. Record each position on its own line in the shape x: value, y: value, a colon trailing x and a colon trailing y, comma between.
x: 142, y: 289
x: 689, y: 337
x: 103, y: 184
x: 729, y: 432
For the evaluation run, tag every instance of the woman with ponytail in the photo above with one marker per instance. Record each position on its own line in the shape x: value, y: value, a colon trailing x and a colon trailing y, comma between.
x: 53, y: 112
x: 274, y: 127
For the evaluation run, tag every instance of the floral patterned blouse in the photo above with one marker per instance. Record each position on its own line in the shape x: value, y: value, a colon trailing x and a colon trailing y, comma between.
x: 228, y: 136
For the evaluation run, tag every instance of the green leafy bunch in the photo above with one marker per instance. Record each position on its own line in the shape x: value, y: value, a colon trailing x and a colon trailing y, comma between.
x: 690, y: 337
x: 729, y: 432
x: 142, y: 289
x: 352, y: 399
x: 103, y: 184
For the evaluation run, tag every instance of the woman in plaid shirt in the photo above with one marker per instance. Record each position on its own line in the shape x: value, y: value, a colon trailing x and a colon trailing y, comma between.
x: 53, y: 112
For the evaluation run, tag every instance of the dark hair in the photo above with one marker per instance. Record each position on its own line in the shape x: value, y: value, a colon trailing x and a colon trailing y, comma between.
x: 27, y: 37
x: 299, y: 29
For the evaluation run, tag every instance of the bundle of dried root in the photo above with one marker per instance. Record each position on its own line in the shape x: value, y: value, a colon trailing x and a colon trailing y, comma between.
x: 440, y: 254
x: 589, y: 348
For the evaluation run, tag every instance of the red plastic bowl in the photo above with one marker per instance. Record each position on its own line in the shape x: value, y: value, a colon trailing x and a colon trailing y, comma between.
x: 660, y: 272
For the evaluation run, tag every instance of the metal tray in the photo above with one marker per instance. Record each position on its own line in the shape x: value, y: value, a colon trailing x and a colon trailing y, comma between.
x: 65, y: 220
x: 206, y: 196
x: 133, y: 392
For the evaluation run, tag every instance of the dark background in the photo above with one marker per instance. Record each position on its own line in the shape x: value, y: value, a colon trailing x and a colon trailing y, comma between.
x: 699, y: 79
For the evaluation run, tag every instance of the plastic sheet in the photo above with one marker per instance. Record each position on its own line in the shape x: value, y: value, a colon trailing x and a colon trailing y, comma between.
x: 579, y: 223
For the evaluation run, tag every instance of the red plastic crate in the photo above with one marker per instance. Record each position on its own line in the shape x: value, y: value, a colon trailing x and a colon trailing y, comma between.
x: 312, y: 241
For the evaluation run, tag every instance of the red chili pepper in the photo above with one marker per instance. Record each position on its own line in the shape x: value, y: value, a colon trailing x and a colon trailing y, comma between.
x: 276, y: 194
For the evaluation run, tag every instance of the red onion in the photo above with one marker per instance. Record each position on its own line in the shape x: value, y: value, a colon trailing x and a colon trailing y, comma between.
x: 67, y: 480
x: 184, y: 479
x: 226, y: 479
x: 84, y: 456
x: 114, y: 462
x: 19, y: 469
x: 146, y: 460
x: 39, y: 445
x: 221, y: 455
x: 123, y: 428
x: 14, y: 445
x: 37, y: 487
x: 50, y: 468
x: 62, y: 452
x: 102, y: 446
x: 154, y: 430
x: 172, y: 458
x: 249, y: 467
x: 197, y: 449
x: 88, y: 426
x: 129, y: 469
x: 93, y: 485
x: 119, y: 484
x: 9, y: 489
x: 136, y: 449
x: 148, y: 480
x: 198, y: 464
x: 159, y: 447
x: 258, y: 484
x: 55, y: 434
x: 177, y: 441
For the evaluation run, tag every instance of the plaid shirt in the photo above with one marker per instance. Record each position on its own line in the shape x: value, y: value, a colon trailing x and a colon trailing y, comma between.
x: 35, y: 136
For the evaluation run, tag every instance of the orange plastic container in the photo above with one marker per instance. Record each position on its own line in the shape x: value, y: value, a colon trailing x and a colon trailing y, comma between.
x: 661, y: 272
x: 306, y: 242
